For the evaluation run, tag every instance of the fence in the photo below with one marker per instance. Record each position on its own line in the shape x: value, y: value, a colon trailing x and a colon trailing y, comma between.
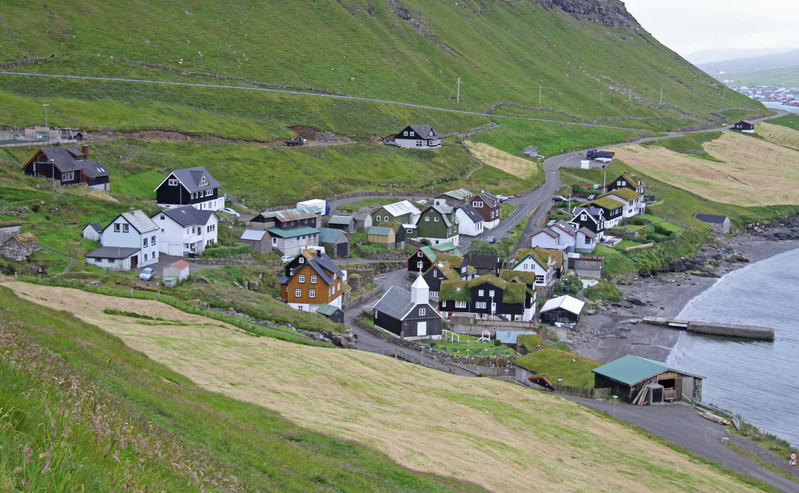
x: 582, y: 391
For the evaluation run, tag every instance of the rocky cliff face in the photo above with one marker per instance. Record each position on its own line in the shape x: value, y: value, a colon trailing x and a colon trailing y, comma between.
x: 611, y: 13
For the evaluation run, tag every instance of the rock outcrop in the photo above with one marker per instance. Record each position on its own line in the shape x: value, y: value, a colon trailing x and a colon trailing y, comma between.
x: 611, y: 13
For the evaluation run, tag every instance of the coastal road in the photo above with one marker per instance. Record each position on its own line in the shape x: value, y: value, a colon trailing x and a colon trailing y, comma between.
x: 681, y: 424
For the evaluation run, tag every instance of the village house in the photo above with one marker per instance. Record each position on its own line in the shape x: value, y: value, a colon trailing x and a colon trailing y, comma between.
x: 363, y: 218
x: 190, y: 186
x: 627, y: 180
x: 545, y: 264
x: 530, y: 151
x: 471, y: 222
x: 590, y: 219
x: 402, y: 212
x: 720, y: 224
x: 564, y: 236
x: 332, y: 312
x: 424, y: 257
x: 176, y: 272
x: 418, y: 137
x: 408, y: 314
x: 437, y: 224
x: 484, y: 263
x: 447, y: 268
x: 488, y: 297
x: 630, y: 375
x: 311, y: 280
x: 487, y: 205
x: 744, y: 126
x: 633, y: 202
x: 291, y: 230
x: 128, y: 242
x: 611, y: 210
x: 71, y: 166
x: 185, y: 231
x: 453, y: 198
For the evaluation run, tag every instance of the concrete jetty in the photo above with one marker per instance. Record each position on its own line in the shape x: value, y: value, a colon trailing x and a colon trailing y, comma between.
x: 716, y: 329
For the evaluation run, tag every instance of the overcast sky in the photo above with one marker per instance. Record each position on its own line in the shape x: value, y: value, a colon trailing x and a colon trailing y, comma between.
x: 694, y: 27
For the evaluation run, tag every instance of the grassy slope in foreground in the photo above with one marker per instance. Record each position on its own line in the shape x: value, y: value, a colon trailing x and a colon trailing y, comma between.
x: 495, y: 434
x: 81, y: 411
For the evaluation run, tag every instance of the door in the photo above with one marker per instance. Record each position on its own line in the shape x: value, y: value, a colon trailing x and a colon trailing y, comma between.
x: 421, y: 328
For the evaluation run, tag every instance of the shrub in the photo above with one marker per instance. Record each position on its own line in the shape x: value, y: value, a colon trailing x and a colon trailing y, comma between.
x: 220, y: 252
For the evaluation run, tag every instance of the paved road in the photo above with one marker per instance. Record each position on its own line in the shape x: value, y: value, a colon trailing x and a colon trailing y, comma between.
x: 681, y: 424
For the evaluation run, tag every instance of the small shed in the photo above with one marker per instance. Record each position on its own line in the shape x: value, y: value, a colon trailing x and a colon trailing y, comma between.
x: 258, y: 239
x: 531, y: 151
x: 344, y: 223
x: 176, y: 272
x: 591, y: 268
x: 92, y: 231
x: 333, y: 313
x: 745, y: 126
x: 336, y: 240
x: 631, y: 375
x: 720, y: 224
x: 20, y: 246
x: 563, y: 309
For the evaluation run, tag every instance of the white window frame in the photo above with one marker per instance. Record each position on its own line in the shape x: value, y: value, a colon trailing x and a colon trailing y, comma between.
x: 312, y: 293
x: 298, y: 292
x: 301, y: 278
x: 422, y: 312
x: 173, y: 182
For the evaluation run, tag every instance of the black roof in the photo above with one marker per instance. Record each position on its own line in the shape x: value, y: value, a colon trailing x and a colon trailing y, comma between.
x: 187, y: 215
x: 71, y: 158
x: 710, y: 218
x: 192, y: 179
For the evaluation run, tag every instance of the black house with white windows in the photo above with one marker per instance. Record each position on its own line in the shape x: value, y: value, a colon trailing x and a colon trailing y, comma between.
x: 418, y: 137
x: 70, y: 165
x: 190, y: 186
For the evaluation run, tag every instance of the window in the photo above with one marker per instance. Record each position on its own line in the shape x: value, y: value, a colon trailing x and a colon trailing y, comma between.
x: 302, y: 260
x: 312, y: 293
x: 405, y: 133
x: 385, y: 218
x: 301, y: 278
x: 313, y: 278
x: 460, y: 304
x: 427, y: 218
x: 491, y: 293
x: 145, y: 256
x: 163, y: 217
x: 539, y: 279
x: 435, y: 219
x: 419, y: 264
x: 480, y: 292
x: 274, y: 241
x: 435, y: 273
x: 203, y: 181
x: 144, y: 243
x: 126, y: 228
x: 419, y: 253
x: 298, y: 292
x: 117, y: 227
x: 173, y: 182
x: 477, y: 204
x: 67, y: 176
x: 422, y: 312
x: 480, y: 304
x: 209, y: 192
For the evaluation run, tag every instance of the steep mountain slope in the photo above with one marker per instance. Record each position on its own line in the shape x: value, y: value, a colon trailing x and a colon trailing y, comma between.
x: 585, y: 59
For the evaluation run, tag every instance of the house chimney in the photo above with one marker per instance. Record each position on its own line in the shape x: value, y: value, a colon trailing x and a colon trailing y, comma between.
x: 85, y: 150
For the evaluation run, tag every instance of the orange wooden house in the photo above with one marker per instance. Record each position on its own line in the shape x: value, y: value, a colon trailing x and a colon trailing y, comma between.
x: 311, y: 280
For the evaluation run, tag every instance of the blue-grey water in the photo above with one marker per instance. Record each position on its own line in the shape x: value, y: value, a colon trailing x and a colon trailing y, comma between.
x: 758, y: 380
x: 779, y: 106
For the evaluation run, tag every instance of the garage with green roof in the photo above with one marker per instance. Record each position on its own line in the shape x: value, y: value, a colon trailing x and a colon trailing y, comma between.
x: 636, y: 379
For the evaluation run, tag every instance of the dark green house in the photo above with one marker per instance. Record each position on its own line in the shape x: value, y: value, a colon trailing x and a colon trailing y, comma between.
x: 437, y: 224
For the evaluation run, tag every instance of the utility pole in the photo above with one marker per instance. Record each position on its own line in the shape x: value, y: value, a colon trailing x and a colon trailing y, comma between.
x: 52, y: 170
x: 661, y: 93
x: 540, y: 86
x: 46, y: 125
x: 601, y: 96
x: 458, y: 98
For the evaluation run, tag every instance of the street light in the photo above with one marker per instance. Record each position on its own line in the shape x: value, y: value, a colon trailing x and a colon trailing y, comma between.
x: 52, y: 172
x: 725, y: 440
x: 614, y: 404
x: 46, y: 126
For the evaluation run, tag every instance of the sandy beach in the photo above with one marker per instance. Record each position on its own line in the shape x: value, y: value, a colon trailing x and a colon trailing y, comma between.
x: 610, y: 331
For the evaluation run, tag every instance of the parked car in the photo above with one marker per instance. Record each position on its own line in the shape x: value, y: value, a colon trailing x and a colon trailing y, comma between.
x: 286, y: 259
x: 559, y: 198
x: 597, y: 186
x: 391, y: 143
x: 491, y: 239
x: 591, y: 197
x: 146, y: 274
x: 502, y: 198
x: 228, y: 210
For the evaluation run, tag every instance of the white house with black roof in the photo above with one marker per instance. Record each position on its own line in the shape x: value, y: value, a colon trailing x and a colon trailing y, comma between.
x: 128, y: 242
x: 185, y: 231
x: 408, y: 314
x: 190, y: 186
x: 472, y: 222
x: 418, y: 137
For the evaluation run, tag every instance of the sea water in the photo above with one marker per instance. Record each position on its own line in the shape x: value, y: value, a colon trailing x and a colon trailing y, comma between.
x: 758, y: 380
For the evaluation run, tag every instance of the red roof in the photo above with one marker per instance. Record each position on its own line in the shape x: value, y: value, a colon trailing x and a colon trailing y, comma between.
x: 180, y: 264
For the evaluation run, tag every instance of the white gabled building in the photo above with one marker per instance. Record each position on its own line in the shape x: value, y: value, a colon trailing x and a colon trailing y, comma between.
x: 128, y: 242
x: 185, y: 231
x: 471, y: 222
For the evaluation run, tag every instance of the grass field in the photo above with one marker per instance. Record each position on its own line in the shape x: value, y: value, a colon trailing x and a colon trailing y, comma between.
x: 747, y: 171
x: 514, y: 437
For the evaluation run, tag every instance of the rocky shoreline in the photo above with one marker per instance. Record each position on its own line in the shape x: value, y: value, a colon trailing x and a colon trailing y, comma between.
x: 608, y: 331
